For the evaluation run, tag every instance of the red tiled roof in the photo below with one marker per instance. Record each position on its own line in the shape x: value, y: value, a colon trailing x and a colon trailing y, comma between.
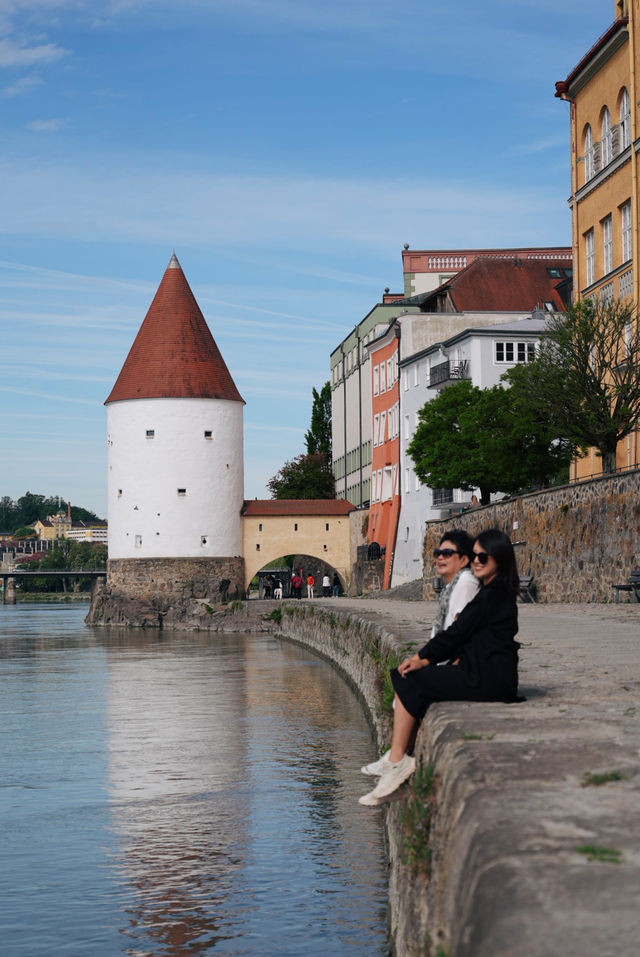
x: 174, y: 354
x: 506, y: 285
x: 297, y: 506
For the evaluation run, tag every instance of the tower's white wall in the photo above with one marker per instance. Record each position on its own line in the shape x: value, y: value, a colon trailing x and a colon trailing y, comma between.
x: 148, y: 518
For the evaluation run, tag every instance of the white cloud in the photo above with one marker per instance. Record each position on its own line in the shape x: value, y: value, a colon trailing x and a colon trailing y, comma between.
x: 14, y: 54
x: 47, y: 126
x: 21, y: 87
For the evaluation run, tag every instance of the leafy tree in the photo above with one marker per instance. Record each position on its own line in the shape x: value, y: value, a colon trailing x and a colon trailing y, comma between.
x: 586, y: 379
x: 483, y: 438
x: 24, y: 531
x: 318, y: 437
x: 306, y: 476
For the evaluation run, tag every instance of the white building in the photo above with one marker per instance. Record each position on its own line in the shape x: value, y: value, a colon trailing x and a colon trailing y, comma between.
x: 480, y: 354
x: 175, y: 438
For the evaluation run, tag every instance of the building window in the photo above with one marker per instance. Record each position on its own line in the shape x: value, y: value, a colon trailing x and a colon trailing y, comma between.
x: 515, y: 351
x: 182, y: 492
x: 376, y: 380
x: 625, y: 219
x: 203, y: 540
x: 138, y: 541
x: 389, y: 373
x: 295, y: 526
x: 208, y: 434
x: 442, y: 496
x: 151, y: 433
x: 589, y: 165
x: 590, y: 256
x: 407, y: 479
x: 376, y: 429
x: 119, y: 493
x: 607, y: 245
x: 383, y: 427
x: 607, y: 145
x: 383, y: 387
x: 258, y: 548
x: 260, y: 526
x: 625, y: 118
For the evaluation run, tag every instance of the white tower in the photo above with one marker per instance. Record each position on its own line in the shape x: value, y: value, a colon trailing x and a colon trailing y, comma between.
x: 175, y: 456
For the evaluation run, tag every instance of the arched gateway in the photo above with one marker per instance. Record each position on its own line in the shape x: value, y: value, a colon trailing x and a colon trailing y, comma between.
x: 320, y: 528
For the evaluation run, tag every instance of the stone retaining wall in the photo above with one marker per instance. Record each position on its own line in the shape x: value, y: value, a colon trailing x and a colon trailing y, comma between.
x: 577, y: 540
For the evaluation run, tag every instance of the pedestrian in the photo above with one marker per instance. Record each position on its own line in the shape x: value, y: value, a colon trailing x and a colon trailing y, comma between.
x: 310, y: 583
x: 326, y: 586
x: 277, y: 588
x: 336, y: 585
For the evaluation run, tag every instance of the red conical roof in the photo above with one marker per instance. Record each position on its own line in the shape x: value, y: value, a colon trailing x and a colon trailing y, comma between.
x: 174, y: 354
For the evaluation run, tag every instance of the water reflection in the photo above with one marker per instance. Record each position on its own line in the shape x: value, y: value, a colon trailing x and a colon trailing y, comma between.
x: 220, y: 784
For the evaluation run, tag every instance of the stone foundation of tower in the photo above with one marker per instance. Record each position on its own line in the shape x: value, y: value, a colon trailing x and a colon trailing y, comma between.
x: 152, y: 592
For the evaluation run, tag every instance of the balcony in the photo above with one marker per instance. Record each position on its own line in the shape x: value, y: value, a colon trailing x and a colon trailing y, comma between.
x: 446, y: 373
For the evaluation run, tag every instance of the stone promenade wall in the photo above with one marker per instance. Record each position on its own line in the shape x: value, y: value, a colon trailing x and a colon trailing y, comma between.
x: 577, y: 540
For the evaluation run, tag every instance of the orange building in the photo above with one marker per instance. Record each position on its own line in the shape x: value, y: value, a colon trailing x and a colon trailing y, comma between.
x: 385, y: 459
x: 603, y: 91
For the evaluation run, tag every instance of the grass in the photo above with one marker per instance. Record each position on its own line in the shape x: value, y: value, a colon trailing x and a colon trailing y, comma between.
x: 415, y: 818
x: 274, y: 615
x: 596, y: 780
x: 235, y: 606
x: 606, y: 855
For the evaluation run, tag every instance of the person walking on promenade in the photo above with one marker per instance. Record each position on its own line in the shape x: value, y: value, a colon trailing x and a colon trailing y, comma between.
x: 480, y: 649
x: 335, y: 589
x: 310, y: 583
x: 326, y: 586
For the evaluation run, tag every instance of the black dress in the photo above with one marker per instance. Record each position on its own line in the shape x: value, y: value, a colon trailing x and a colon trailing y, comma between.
x: 482, y: 638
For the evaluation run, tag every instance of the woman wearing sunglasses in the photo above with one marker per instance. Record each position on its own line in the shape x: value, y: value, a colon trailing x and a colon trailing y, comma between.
x: 453, y: 563
x: 480, y: 642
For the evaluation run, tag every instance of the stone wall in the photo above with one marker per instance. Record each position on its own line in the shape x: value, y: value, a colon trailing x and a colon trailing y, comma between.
x: 576, y: 540
x: 366, y: 577
x: 152, y: 591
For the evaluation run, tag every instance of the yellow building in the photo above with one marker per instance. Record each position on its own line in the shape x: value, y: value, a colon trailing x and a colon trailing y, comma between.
x: 603, y: 92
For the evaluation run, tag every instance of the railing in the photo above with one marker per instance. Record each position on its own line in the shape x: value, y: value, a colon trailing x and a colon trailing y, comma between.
x: 447, y: 371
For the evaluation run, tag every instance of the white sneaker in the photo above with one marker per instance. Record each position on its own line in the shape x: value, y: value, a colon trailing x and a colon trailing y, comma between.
x: 370, y: 800
x: 376, y: 768
x: 393, y: 776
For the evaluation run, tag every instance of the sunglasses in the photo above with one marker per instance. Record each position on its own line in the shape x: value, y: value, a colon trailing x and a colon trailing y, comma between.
x: 481, y: 557
x: 444, y: 552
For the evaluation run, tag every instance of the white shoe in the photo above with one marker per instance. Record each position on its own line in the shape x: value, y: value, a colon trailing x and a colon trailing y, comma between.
x: 376, y: 768
x: 393, y: 776
x: 370, y: 800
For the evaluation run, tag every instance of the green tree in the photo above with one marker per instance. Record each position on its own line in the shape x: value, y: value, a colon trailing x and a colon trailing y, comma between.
x: 586, y: 379
x: 318, y: 437
x: 472, y: 438
x: 24, y: 531
x: 306, y: 476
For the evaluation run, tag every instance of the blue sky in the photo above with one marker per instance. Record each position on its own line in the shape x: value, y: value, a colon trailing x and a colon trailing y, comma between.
x: 286, y: 149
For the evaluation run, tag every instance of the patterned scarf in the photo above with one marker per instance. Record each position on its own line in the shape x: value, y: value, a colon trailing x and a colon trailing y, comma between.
x: 443, y: 603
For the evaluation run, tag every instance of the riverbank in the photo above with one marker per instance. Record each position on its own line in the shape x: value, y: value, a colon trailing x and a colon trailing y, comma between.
x: 519, y: 835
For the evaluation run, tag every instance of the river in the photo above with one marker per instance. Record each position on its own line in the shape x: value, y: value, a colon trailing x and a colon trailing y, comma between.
x: 181, y: 794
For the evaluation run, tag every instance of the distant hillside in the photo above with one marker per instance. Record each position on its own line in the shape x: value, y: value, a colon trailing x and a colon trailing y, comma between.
x: 31, y: 507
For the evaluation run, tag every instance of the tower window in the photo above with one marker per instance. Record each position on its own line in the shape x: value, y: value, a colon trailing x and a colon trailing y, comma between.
x: 182, y: 491
x: 295, y: 526
x: 151, y: 433
x: 258, y: 548
x: 208, y: 434
x: 203, y: 539
x: 326, y: 526
x: 260, y: 527
x: 119, y: 493
x: 138, y: 541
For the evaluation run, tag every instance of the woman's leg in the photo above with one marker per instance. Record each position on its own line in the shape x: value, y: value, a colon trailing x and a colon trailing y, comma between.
x: 403, y: 728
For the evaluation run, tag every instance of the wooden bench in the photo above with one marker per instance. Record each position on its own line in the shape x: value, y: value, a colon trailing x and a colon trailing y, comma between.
x: 525, y: 591
x: 632, y: 585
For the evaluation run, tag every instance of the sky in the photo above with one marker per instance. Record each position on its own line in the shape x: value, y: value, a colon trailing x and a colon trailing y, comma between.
x: 286, y: 149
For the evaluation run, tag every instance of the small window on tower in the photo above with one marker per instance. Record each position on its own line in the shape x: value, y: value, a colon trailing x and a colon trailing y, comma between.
x: 326, y: 526
x: 295, y: 526
x: 182, y: 491
x: 203, y: 540
x: 260, y: 527
x: 138, y: 541
x: 257, y: 548
x: 208, y: 434
x: 119, y: 493
x: 151, y: 433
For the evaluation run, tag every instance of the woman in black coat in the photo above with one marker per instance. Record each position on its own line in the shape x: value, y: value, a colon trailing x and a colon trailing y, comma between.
x: 480, y: 646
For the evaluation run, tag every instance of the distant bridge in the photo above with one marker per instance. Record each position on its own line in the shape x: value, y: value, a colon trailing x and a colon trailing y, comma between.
x: 9, y: 579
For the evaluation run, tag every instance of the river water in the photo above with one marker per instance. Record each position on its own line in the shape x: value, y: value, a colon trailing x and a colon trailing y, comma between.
x: 180, y: 794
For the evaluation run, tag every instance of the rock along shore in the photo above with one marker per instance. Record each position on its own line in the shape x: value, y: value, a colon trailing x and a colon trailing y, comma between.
x: 519, y: 835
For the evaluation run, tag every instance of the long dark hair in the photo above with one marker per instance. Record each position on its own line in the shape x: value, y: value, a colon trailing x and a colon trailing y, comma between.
x: 498, y: 545
x: 462, y: 540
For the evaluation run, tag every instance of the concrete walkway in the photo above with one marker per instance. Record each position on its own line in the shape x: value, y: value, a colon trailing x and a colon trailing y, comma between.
x: 544, y: 859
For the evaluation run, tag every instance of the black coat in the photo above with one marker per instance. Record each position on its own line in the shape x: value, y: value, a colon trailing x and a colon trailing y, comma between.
x: 482, y: 637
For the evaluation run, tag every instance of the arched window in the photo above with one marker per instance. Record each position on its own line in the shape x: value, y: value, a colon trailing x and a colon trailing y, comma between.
x: 588, y: 154
x: 625, y: 118
x: 607, y: 146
